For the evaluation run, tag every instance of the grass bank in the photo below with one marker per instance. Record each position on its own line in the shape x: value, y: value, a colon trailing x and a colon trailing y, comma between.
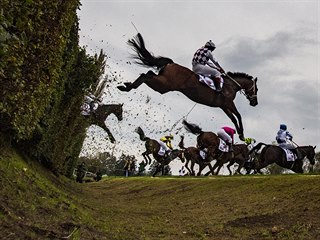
x: 35, y: 204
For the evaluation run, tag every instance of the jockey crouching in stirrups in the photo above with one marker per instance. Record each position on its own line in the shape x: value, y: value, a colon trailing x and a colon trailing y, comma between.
x: 283, y: 139
x: 227, y: 134
x: 165, y: 145
x: 201, y: 64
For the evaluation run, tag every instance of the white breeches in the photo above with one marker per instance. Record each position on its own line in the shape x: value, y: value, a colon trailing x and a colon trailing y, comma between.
x: 224, y: 136
x: 205, y: 70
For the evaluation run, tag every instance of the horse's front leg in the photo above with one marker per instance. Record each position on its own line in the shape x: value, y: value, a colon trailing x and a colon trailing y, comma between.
x: 201, y: 167
x: 241, y: 165
x: 232, y: 112
x: 111, y: 137
x: 186, y: 165
x: 229, y: 165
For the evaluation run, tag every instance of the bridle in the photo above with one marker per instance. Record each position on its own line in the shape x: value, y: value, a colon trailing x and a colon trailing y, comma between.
x: 244, y: 91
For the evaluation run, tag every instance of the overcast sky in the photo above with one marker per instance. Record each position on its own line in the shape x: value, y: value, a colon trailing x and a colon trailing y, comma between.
x: 275, y: 41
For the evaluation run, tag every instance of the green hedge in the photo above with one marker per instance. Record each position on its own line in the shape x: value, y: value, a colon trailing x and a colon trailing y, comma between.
x: 43, y: 78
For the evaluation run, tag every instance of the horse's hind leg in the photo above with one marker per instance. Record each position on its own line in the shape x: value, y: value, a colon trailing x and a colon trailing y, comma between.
x: 147, y: 158
x: 128, y: 86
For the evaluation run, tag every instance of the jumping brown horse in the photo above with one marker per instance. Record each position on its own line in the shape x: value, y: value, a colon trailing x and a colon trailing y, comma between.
x: 174, y: 77
x: 192, y: 155
x: 274, y: 154
x: 99, y: 116
x: 153, y: 147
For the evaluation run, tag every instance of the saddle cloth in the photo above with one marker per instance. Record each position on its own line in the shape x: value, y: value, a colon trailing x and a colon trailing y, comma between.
x: 202, y: 154
x: 290, y: 156
x: 162, y: 149
x: 223, y: 147
x: 208, y: 81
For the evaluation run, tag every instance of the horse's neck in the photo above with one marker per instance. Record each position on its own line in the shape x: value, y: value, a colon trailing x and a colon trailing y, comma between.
x: 109, y: 109
x: 240, y: 82
x: 304, y: 150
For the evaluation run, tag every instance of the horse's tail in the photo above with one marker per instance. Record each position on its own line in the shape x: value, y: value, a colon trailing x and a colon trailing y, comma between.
x: 257, y: 147
x: 193, y: 128
x: 144, y: 56
x: 141, y: 134
x: 181, y: 144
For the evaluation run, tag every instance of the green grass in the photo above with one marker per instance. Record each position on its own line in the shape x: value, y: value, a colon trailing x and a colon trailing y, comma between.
x: 38, y: 205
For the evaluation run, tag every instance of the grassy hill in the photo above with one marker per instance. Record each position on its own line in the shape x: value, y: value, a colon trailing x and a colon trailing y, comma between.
x: 35, y: 204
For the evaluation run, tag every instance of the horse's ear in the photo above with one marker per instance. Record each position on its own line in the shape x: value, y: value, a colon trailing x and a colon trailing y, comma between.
x: 314, y: 147
x: 255, y: 79
x: 121, y: 104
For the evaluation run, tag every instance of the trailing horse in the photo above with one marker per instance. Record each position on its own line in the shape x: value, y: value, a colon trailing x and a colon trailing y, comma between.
x: 275, y: 154
x: 99, y: 116
x: 206, y: 141
x: 241, y: 156
x: 192, y: 155
x: 174, y: 77
x: 153, y: 147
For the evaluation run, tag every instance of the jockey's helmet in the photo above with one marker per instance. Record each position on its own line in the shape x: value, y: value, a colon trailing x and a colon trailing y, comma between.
x: 283, y: 127
x: 210, y: 44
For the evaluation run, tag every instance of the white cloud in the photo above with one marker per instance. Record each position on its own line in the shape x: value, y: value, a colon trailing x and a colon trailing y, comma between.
x: 276, y: 41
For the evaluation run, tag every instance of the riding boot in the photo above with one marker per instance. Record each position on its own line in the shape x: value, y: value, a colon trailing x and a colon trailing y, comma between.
x: 216, y: 81
x: 230, y: 147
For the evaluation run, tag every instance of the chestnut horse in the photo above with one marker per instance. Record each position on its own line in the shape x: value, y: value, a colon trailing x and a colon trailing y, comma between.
x: 153, y: 147
x: 98, y: 117
x: 275, y: 154
x: 192, y: 155
x: 206, y: 141
x: 241, y: 156
x: 174, y: 77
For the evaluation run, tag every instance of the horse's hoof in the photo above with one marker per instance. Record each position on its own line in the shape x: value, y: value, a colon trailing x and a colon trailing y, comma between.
x: 122, y: 88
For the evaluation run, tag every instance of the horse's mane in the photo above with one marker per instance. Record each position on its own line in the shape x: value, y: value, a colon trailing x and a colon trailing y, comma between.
x: 239, y: 74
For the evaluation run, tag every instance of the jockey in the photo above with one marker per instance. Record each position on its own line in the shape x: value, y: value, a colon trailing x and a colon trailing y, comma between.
x: 283, y: 139
x: 90, y: 105
x: 250, y: 142
x: 201, y: 64
x: 227, y: 134
x: 168, y: 146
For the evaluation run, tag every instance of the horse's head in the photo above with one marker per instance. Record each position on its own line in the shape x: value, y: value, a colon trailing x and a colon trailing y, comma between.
x: 247, y: 84
x: 119, y: 112
x: 251, y: 92
x: 177, y: 153
x: 310, y: 153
